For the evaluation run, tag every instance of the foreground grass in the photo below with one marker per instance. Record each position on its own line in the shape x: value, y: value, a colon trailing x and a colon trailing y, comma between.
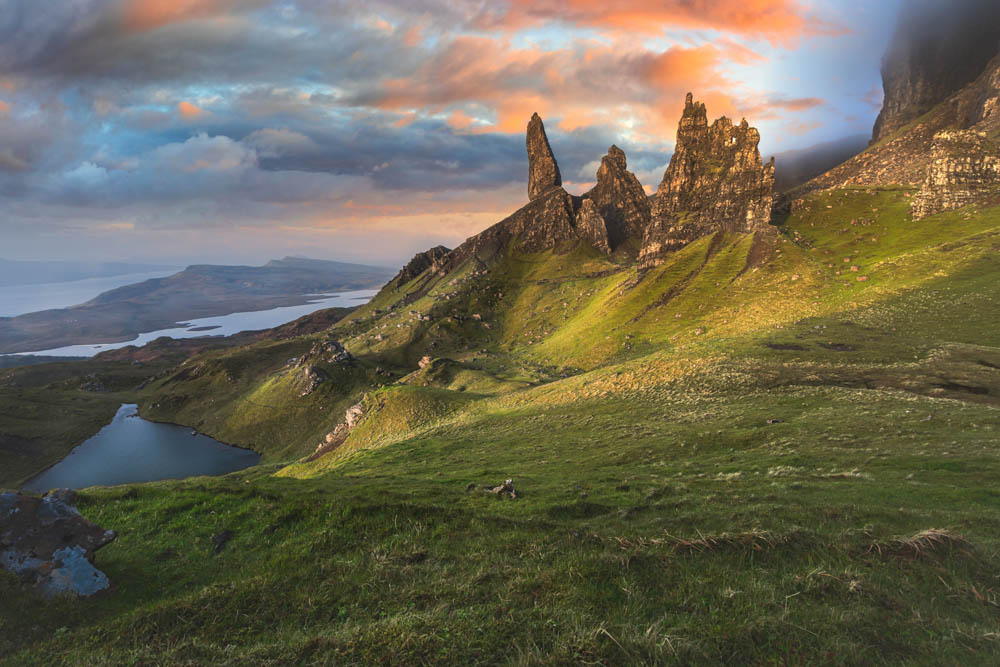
x: 693, y: 531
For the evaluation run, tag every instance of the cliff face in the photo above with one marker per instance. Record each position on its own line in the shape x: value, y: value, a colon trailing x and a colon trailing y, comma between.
x: 904, y: 158
x: 939, y: 47
x: 716, y: 181
x: 964, y: 170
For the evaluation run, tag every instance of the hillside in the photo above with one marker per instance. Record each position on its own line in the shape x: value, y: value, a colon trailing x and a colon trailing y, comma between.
x: 197, y: 291
x: 727, y: 439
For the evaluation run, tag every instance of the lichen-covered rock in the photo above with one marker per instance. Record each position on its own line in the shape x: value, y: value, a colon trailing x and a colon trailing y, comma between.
x: 964, y: 170
x: 716, y: 181
x: 49, y: 543
x: 620, y: 200
x: 543, y: 172
x: 311, y: 378
x: 330, y: 351
x: 590, y: 226
x: 939, y: 47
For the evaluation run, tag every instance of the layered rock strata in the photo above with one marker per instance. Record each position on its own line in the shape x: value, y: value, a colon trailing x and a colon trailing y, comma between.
x: 964, y: 170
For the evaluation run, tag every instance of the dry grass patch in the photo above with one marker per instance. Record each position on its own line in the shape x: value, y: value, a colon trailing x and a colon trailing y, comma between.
x: 930, y: 542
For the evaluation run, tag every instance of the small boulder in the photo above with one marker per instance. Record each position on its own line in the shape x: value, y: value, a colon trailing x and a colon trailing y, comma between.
x: 50, y: 544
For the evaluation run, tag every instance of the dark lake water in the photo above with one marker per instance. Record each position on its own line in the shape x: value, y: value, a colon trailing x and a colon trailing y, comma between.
x: 132, y: 449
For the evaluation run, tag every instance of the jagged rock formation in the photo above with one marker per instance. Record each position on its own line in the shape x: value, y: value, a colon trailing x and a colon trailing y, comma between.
x: 591, y: 227
x: 716, y: 181
x: 939, y: 48
x: 964, y: 170
x: 543, y: 172
x: 48, y: 543
x: 420, y: 263
x: 620, y: 200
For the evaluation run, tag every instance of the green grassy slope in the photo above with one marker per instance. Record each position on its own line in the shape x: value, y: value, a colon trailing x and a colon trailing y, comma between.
x: 745, y: 454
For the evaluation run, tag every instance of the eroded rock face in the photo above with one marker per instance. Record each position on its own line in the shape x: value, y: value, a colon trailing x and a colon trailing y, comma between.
x: 49, y: 543
x: 716, y: 181
x: 590, y: 226
x: 939, y: 47
x: 543, y: 172
x: 542, y: 224
x: 964, y: 170
x: 620, y: 200
x: 420, y: 263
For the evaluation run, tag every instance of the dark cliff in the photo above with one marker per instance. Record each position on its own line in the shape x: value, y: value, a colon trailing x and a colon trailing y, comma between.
x: 939, y: 48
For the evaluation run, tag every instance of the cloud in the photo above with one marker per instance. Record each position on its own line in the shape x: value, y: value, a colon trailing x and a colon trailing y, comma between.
x: 775, y: 20
x: 188, y: 110
x: 140, y: 15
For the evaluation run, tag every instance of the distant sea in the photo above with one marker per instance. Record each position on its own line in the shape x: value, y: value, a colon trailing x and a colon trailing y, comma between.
x: 224, y: 325
x: 21, y: 299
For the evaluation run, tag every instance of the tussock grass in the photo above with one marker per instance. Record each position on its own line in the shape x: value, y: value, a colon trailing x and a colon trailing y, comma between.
x: 924, y: 544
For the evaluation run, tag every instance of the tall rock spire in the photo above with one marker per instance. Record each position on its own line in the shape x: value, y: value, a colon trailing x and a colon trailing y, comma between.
x: 716, y: 181
x: 543, y: 172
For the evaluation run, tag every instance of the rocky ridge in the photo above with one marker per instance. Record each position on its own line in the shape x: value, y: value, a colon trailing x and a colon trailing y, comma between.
x: 716, y: 182
x: 903, y: 157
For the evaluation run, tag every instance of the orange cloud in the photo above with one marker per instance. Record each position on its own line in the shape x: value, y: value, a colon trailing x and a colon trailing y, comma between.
x: 4, y: 107
x: 644, y: 90
x: 140, y: 15
x: 188, y: 110
x: 774, y: 20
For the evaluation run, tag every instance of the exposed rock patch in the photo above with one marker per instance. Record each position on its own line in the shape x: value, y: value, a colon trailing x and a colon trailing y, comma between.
x: 338, y: 435
x: 964, y: 170
x: 49, y: 543
x: 420, y: 263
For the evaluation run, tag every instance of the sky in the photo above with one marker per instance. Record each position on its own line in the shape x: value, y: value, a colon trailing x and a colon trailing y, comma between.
x: 235, y: 131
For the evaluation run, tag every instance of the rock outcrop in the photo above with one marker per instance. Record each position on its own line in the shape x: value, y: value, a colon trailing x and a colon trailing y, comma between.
x: 716, y: 181
x: 939, y: 47
x: 48, y: 543
x: 543, y: 172
x: 420, y: 263
x: 591, y: 227
x: 964, y: 170
x: 620, y: 200
x: 904, y: 158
